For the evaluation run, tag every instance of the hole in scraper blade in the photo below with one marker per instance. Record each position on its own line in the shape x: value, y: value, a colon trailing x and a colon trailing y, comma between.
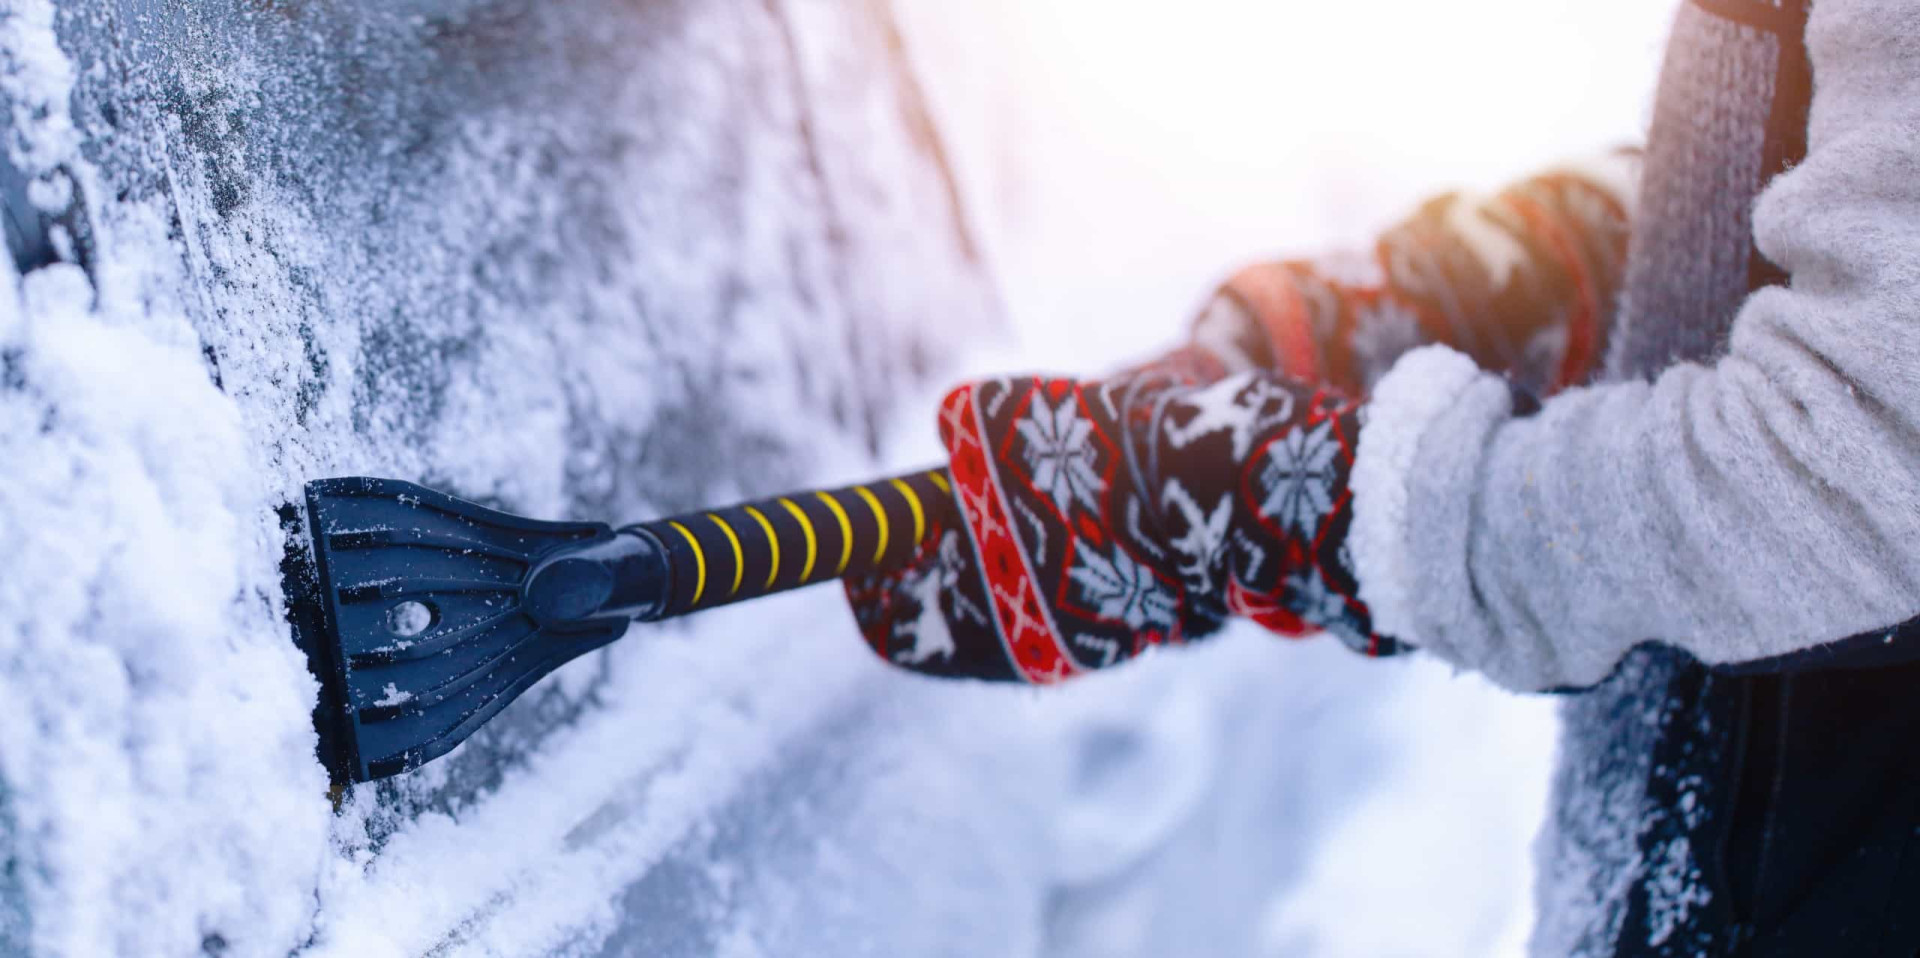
x: 410, y: 618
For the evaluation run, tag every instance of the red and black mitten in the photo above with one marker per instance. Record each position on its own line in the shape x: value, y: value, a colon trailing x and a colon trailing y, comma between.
x: 1145, y: 508
x: 1524, y: 281
x: 1090, y: 520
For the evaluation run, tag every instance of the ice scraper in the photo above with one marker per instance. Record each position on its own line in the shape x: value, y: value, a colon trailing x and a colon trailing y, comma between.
x: 423, y: 615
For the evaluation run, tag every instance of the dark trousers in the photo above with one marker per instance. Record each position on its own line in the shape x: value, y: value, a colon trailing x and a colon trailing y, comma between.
x: 1794, y: 789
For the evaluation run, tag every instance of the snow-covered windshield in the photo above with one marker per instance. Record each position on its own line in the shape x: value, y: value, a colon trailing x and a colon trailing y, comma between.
x: 608, y: 259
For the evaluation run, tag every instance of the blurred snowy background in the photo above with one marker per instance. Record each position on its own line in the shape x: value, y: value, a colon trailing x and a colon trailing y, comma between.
x: 1121, y: 158
x: 609, y: 258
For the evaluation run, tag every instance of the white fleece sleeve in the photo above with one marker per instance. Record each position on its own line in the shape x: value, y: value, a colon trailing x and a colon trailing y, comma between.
x: 1763, y: 505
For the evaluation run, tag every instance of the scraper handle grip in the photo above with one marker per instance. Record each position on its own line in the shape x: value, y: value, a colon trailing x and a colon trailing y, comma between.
x: 673, y: 566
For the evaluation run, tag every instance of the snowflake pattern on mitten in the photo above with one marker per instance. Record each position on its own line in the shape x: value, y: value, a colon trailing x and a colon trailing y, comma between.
x: 1090, y: 521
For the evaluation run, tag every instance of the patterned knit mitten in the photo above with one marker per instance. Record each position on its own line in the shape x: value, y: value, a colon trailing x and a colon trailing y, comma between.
x: 1146, y: 507
x: 1524, y: 281
x: 1091, y: 520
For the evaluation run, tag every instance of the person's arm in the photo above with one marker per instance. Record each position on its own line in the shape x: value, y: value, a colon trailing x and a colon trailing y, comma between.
x: 1089, y: 520
x: 1752, y: 508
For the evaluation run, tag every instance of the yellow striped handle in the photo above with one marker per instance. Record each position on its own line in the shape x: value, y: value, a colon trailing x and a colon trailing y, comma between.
x: 785, y: 542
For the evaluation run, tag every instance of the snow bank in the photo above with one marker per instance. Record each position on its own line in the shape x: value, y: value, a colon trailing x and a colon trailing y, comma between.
x: 147, y: 700
x: 150, y: 717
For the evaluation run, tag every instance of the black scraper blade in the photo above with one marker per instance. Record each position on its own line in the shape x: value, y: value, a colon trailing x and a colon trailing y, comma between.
x: 414, y: 620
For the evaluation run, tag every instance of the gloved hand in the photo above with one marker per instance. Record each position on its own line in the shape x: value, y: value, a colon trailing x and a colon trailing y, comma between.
x: 1146, y: 507
x: 1090, y: 520
x: 1524, y: 281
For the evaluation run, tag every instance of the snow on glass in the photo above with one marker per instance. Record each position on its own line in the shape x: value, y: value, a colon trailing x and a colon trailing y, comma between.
x: 607, y: 260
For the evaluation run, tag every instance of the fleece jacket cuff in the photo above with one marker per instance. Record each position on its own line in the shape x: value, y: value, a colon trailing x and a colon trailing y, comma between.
x: 1421, y: 386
